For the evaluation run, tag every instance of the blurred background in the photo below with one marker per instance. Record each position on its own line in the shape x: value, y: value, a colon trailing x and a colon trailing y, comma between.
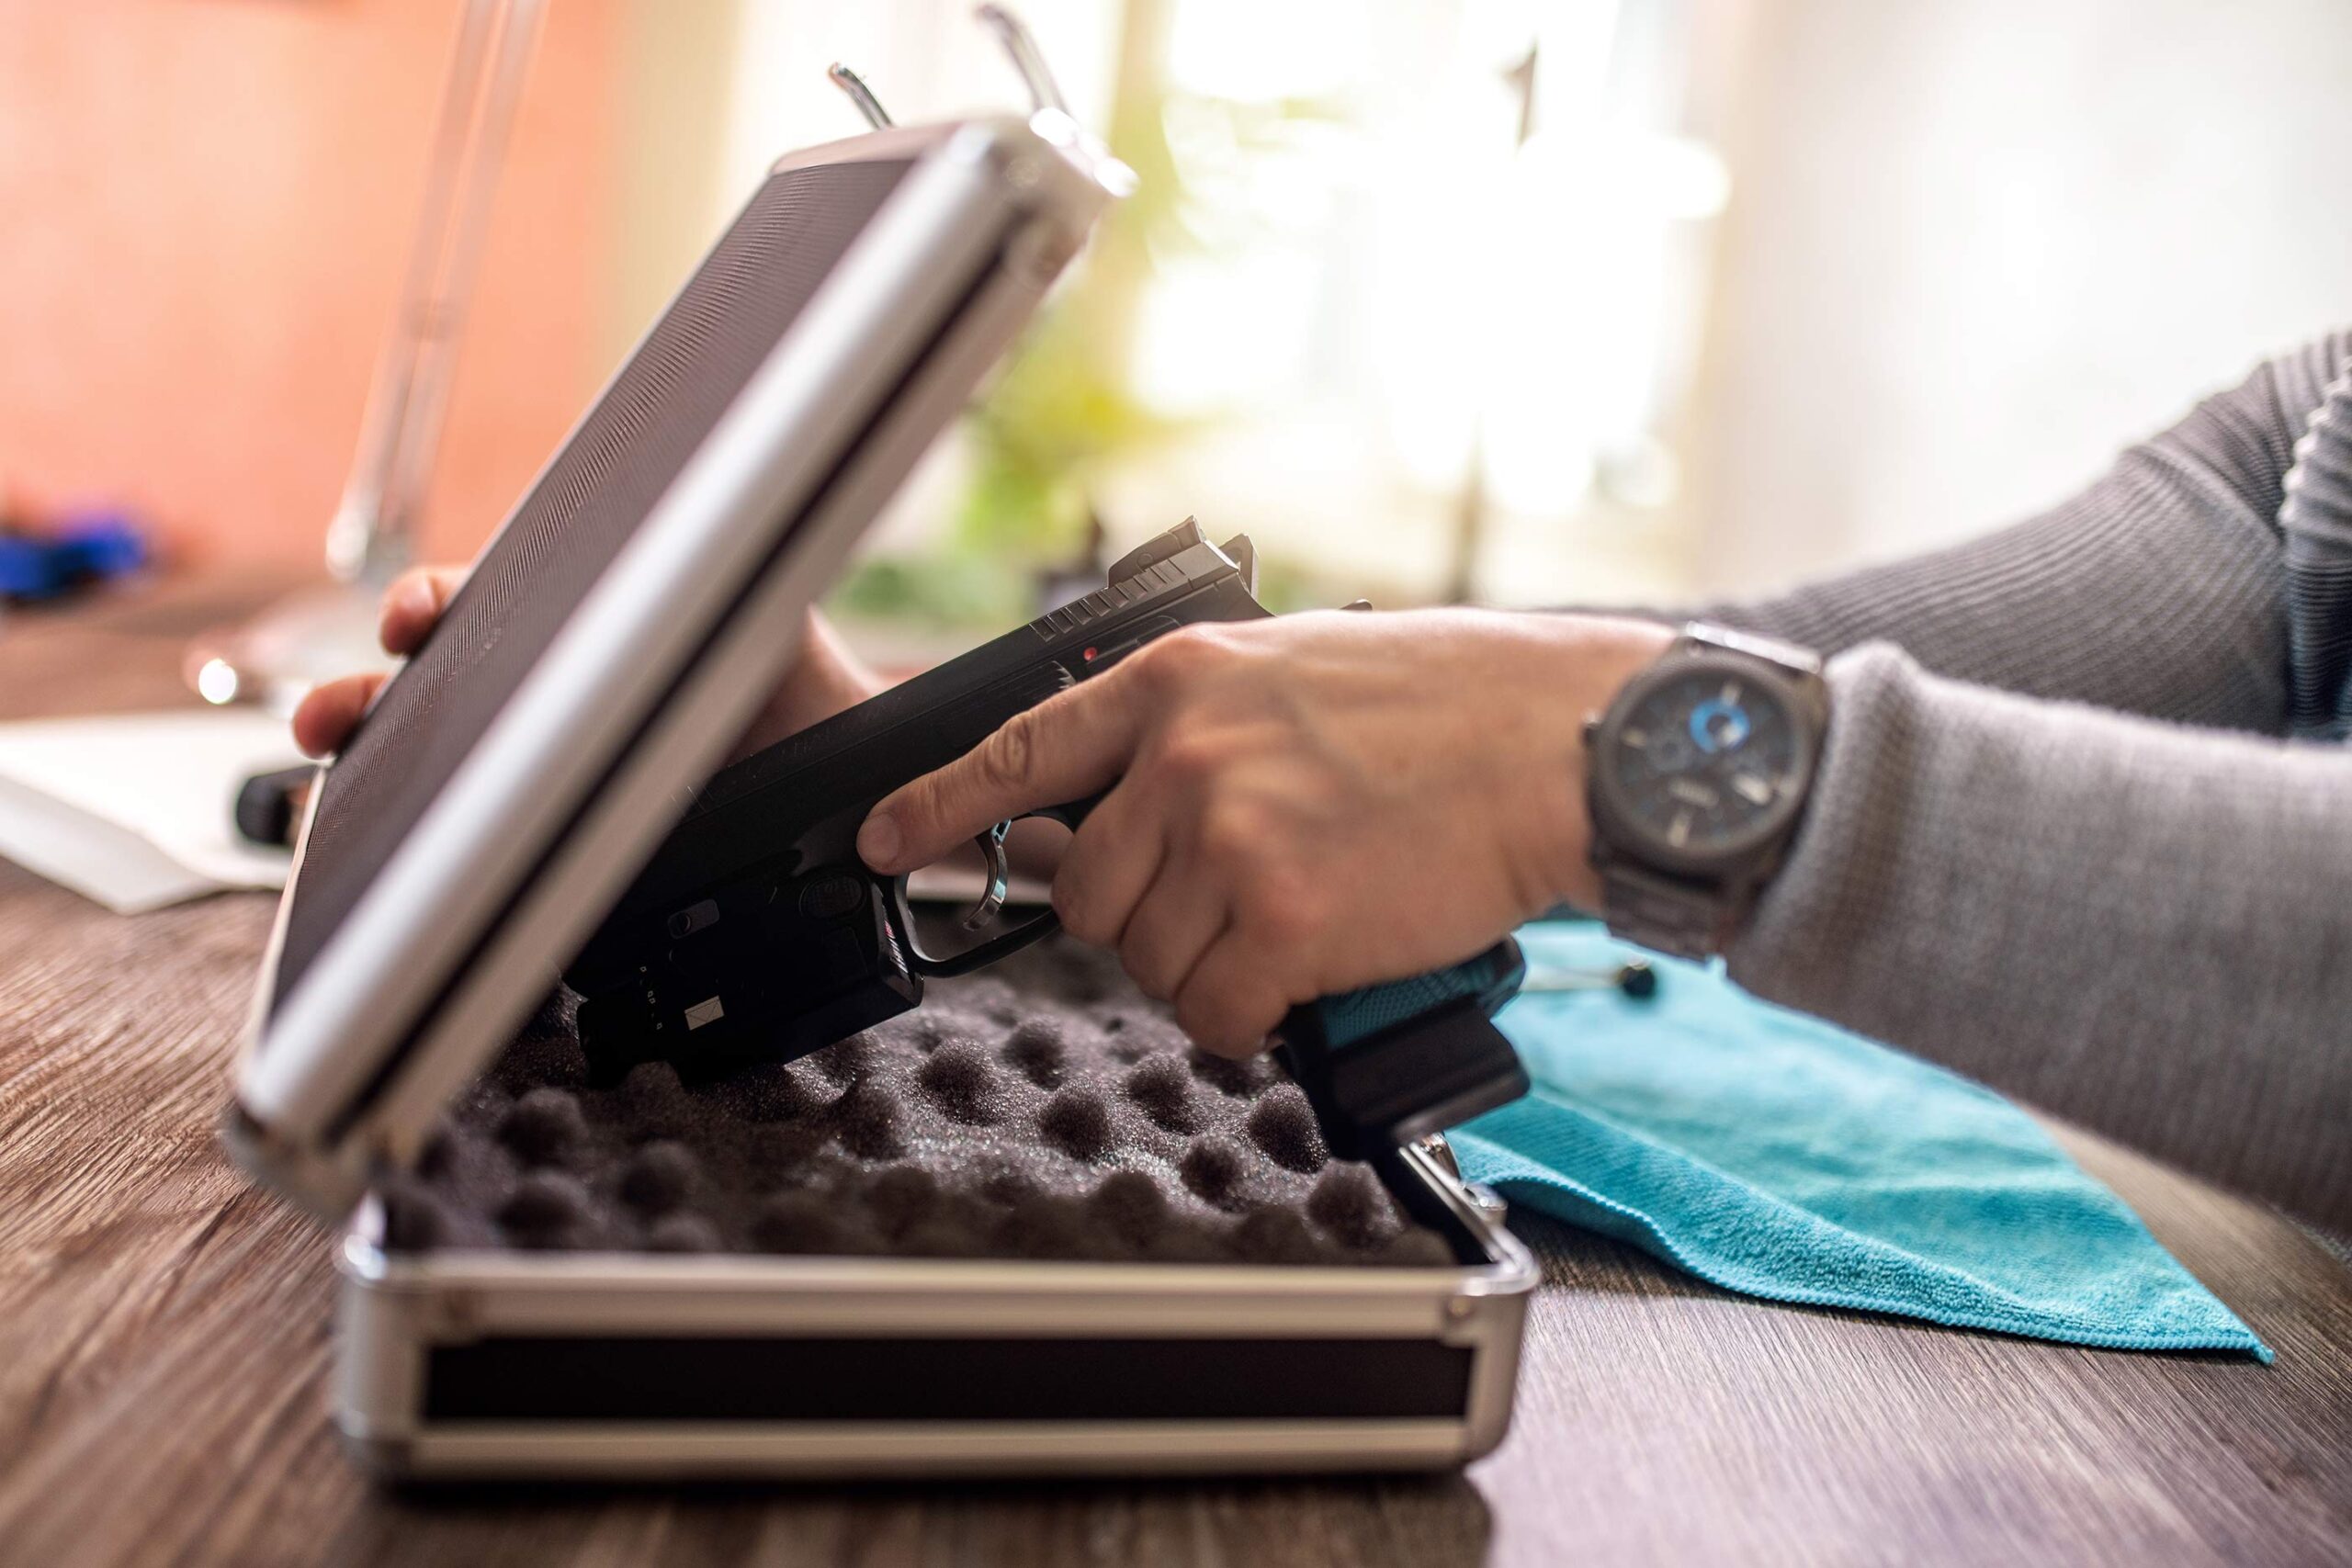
x: 1436, y: 299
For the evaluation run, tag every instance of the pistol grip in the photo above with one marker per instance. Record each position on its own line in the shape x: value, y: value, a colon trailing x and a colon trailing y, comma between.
x: 1386, y: 1063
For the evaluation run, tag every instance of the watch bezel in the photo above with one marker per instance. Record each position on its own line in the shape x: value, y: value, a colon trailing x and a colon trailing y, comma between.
x: 1615, y: 824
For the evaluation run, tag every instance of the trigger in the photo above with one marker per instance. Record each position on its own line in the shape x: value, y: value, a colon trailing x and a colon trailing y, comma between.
x: 1000, y: 881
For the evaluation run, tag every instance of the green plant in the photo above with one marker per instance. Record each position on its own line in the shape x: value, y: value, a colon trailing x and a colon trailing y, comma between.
x: 1063, y: 406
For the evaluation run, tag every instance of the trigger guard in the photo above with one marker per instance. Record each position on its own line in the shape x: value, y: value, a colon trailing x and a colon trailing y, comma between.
x: 981, y: 955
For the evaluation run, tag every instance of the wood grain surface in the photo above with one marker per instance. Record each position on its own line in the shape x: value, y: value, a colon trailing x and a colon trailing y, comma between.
x: 164, y: 1336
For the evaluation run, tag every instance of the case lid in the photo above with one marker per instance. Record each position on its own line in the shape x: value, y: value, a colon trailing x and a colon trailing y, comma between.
x: 629, y: 618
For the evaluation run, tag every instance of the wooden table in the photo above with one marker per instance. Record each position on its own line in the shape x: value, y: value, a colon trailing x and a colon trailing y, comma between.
x: 164, y: 1342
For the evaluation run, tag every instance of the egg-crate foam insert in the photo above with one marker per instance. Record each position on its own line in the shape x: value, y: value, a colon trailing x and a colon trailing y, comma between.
x: 1042, y: 1109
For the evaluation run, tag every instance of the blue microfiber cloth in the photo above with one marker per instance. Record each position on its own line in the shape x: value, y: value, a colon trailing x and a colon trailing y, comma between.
x: 1780, y: 1157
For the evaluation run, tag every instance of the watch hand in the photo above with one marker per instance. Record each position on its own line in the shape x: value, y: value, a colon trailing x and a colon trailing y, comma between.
x: 1694, y: 792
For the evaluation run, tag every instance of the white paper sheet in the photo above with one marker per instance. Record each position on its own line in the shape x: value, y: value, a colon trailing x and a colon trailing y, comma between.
x: 133, y: 810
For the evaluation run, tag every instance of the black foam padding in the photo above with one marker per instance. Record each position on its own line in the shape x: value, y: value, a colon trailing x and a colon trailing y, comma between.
x: 1042, y: 1109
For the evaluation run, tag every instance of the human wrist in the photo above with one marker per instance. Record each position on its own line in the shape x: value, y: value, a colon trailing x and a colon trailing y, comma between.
x: 1590, y: 659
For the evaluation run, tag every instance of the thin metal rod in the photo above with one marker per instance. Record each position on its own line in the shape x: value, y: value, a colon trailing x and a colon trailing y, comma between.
x: 372, y: 534
x: 854, y: 87
x: 1027, y: 58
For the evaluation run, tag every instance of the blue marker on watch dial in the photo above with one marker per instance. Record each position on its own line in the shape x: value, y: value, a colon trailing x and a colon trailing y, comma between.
x: 1701, y: 757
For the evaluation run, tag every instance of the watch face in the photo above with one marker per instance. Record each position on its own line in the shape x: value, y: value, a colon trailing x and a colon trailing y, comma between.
x: 1704, y: 760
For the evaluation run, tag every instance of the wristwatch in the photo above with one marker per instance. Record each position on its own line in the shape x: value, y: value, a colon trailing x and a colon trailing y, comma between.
x: 1696, y: 776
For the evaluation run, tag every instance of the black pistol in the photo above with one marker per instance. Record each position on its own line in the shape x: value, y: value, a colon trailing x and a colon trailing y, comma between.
x: 755, y: 931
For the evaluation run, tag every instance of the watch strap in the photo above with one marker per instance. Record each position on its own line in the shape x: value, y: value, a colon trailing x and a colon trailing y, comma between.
x: 1686, y: 919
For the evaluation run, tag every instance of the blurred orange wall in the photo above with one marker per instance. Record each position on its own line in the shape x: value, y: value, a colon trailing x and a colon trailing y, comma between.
x: 205, y: 209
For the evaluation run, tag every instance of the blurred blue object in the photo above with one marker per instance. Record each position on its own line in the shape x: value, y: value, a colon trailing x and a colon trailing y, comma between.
x: 92, y: 548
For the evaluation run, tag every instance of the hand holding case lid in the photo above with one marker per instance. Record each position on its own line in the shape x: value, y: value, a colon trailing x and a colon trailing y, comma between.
x: 627, y: 621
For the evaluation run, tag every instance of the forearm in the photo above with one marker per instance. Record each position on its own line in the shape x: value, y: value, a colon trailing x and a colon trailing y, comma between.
x: 2123, y: 598
x: 2160, y: 590
x: 2142, y: 926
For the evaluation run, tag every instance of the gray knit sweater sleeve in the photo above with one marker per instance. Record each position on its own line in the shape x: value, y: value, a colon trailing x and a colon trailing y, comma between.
x: 2161, y: 589
x: 2074, y: 886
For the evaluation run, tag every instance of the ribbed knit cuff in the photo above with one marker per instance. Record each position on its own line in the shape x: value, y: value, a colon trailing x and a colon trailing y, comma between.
x: 1845, y: 869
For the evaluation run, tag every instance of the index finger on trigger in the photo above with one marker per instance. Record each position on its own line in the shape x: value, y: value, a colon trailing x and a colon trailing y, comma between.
x: 1072, y: 745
